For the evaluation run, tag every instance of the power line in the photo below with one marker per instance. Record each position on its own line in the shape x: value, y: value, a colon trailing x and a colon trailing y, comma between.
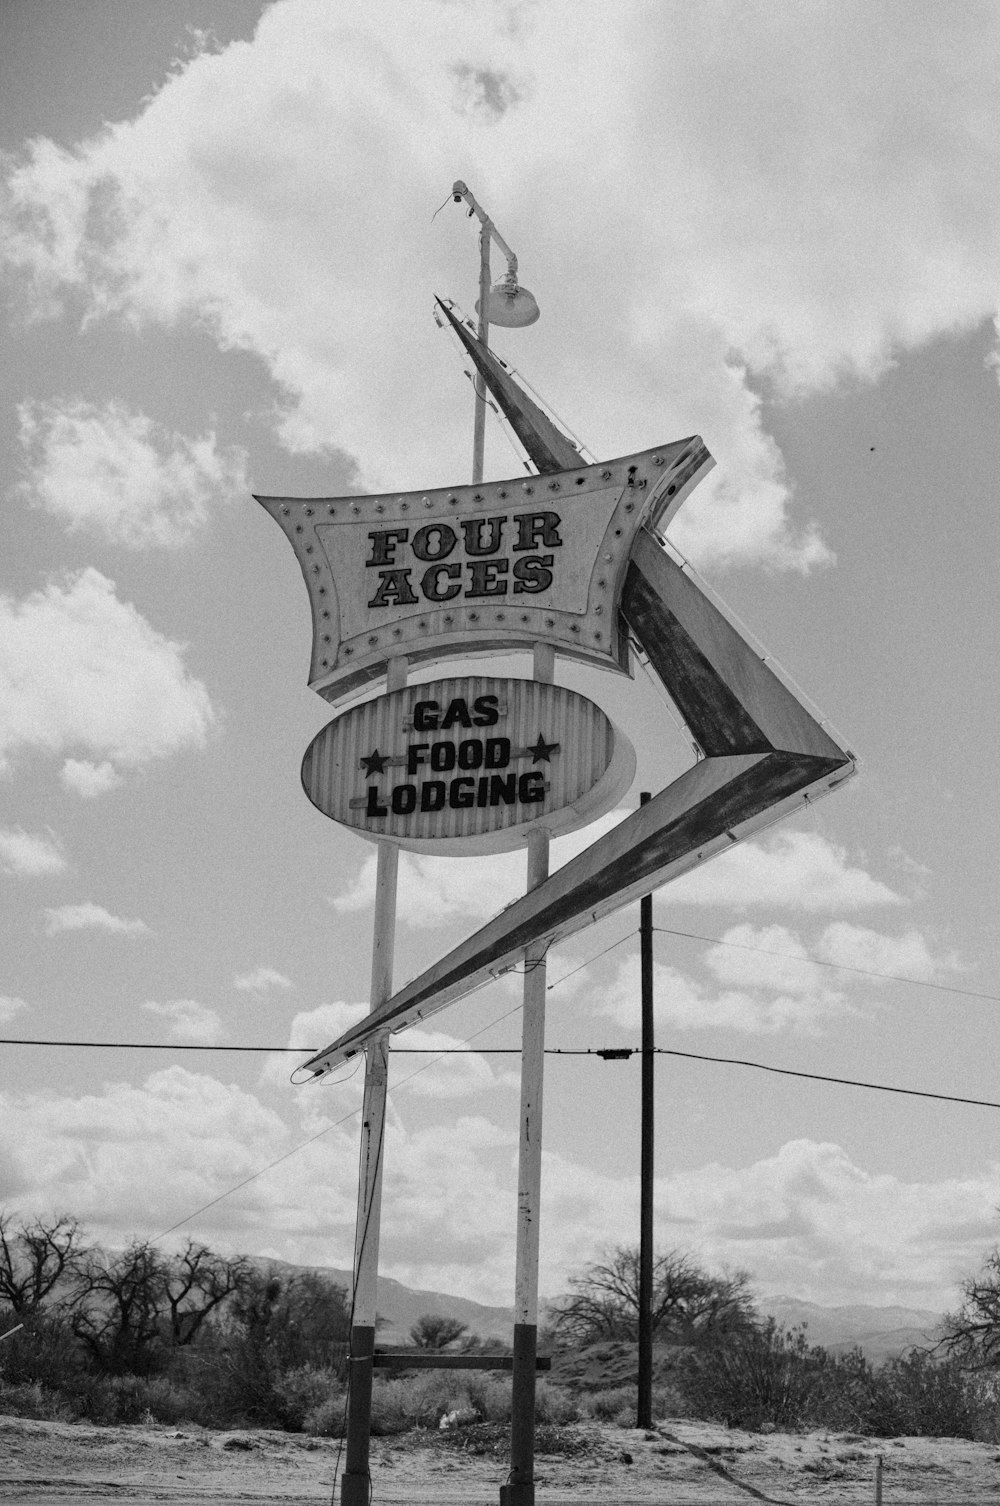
x: 621, y: 940
x: 149, y: 1045
x: 620, y: 1053
x: 846, y: 967
x: 607, y: 1053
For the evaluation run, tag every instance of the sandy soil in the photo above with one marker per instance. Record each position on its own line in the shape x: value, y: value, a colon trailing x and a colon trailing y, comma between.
x: 677, y: 1464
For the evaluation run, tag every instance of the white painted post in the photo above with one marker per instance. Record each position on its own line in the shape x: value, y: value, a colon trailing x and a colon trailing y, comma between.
x: 355, y: 1489
x: 520, y: 1487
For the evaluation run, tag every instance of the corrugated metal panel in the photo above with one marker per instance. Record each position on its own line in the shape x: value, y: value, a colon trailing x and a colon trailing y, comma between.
x: 372, y: 771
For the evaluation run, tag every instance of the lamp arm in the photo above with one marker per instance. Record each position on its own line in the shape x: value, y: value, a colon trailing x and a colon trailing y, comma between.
x: 460, y: 191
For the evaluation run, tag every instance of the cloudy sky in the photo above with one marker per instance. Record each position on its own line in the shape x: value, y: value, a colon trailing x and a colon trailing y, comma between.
x: 774, y: 224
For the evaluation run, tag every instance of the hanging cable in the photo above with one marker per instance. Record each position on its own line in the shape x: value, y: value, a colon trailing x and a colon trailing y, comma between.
x: 846, y: 967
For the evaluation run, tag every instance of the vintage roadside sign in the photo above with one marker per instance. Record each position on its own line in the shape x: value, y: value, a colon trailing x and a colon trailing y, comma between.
x: 572, y: 557
x: 468, y: 765
x: 468, y: 569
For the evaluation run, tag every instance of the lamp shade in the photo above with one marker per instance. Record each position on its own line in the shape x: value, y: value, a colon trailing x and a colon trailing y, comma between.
x: 511, y: 307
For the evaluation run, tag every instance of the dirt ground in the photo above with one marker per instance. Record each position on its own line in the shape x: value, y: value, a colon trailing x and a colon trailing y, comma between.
x: 678, y: 1464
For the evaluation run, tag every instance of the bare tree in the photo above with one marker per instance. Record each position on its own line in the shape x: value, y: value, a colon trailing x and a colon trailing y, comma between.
x: 434, y: 1331
x: 36, y: 1256
x: 119, y: 1307
x: 972, y: 1335
x: 689, y: 1303
x: 130, y: 1309
x: 197, y: 1281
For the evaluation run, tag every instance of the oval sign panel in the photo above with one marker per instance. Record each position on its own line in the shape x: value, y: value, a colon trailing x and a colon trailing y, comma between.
x: 468, y: 765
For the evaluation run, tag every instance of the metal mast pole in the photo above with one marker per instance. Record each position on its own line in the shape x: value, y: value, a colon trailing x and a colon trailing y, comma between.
x: 520, y: 1487
x: 644, y: 1408
x: 355, y: 1488
x: 483, y: 331
x: 517, y: 307
x: 514, y: 308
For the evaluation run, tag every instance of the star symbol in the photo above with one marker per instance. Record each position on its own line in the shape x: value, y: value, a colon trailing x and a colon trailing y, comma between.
x: 541, y: 751
x: 375, y: 763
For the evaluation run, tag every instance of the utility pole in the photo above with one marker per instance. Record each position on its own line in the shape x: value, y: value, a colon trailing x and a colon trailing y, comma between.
x: 644, y: 1408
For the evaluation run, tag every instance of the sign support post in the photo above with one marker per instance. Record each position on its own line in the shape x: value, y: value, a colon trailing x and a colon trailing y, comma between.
x: 644, y: 1406
x: 520, y: 1487
x: 355, y: 1489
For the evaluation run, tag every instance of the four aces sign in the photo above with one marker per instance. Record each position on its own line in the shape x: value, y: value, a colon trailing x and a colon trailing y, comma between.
x: 569, y: 557
x: 467, y: 569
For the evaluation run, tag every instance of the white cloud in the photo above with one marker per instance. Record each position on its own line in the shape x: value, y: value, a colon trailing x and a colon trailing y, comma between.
x: 437, y: 891
x: 90, y: 917
x: 82, y: 670
x: 795, y: 870
x: 267, y: 191
x: 776, y: 958
x: 9, y: 1007
x: 89, y: 779
x: 134, y: 1159
x: 434, y: 891
x: 260, y: 979
x: 806, y: 1221
x: 758, y: 1007
x: 189, y: 1021
x: 460, y: 1072
x: 29, y: 853
x: 117, y: 472
x: 907, y: 954
x: 781, y: 963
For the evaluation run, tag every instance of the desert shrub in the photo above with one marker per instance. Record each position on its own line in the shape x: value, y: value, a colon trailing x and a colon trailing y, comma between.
x: 764, y: 1375
x: 553, y: 1405
x: 44, y: 1350
x: 32, y: 1399
x: 173, y: 1400
x: 92, y: 1398
x: 489, y: 1395
x: 983, y: 1391
x: 328, y: 1419
x: 610, y: 1405
x: 420, y: 1401
x: 668, y: 1401
x: 414, y: 1401
x: 108, y: 1399
x: 915, y: 1393
x: 391, y: 1413
x: 924, y: 1395
x: 618, y: 1404
x: 303, y: 1391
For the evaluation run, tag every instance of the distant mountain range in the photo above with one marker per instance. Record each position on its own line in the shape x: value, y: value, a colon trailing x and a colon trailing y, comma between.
x: 880, y: 1332
x: 400, y: 1306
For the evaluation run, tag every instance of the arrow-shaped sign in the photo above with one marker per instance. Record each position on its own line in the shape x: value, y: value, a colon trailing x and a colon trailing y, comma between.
x: 764, y: 754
